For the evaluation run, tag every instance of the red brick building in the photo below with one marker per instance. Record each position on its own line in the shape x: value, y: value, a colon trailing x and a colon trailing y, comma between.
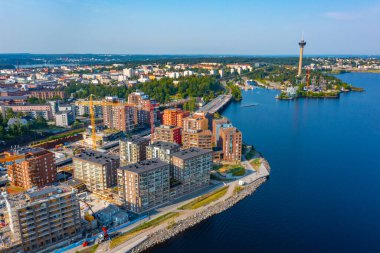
x: 168, y: 134
x: 35, y: 169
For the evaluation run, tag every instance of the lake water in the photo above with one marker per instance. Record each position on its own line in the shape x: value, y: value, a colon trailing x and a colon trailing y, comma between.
x: 323, y: 194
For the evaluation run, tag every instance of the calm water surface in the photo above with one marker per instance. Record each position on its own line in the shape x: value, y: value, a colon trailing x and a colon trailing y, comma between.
x: 324, y: 191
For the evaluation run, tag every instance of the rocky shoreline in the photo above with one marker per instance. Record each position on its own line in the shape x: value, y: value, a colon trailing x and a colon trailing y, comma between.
x: 181, y: 225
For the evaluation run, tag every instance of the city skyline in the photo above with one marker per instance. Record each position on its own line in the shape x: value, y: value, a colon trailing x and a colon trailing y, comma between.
x: 189, y: 27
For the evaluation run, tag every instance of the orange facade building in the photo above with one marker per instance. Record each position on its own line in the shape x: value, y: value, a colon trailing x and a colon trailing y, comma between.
x: 174, y: 117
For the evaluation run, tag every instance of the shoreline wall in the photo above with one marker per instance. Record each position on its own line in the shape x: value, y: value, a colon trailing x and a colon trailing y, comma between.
x: 180, y: 226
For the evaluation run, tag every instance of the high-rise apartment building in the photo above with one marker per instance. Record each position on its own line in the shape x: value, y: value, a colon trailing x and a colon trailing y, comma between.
x: 133, y: 149
x: 197, y: 138
x: 142, y: 104
x: 174, y: 117
x: 39, y: 221
x: 191, y: 167
x: 35, y: 168
x: 161, y: 150
x: 231, y: 143
x: 96, y: 170
x: 168, y: 134
x: 197, y: 121
x: 121, y: 117
x: 144, y: 185
x: 217, y: 124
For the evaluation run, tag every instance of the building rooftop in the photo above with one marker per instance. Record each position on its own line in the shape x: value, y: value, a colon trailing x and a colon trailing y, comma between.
x: 43, y: 193
x: 190, y: 153
x: 144, y: 166
x: 26, y: 150
x: 96, y: 157
x: 167, y: 127
x: 165, y: 145
x: 135, y: 139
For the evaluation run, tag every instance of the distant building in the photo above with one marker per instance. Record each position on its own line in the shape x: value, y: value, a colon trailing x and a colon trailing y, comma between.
x: 197, y: 138
x: 64, y: 119
x: 150, y: 180
x: 129, y: 72
x: 133, y: 149
x: 231, y: 143
x: 48, y: 94
x: 39, y: 221
x: 34, y: 111
x: 168, y: 134
x: 97, y: 170
x: 162, y: 150
x: 34, y: 168
x: 221, y: 72
x: 191, y: 168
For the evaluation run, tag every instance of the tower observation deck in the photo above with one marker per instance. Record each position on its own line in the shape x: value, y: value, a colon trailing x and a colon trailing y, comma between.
x: 302, y: 44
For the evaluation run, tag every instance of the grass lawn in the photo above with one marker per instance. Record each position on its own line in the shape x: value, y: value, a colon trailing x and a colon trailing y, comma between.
x: 205, y: 199
x: 88, y: 250
x: 255, y: 163
x: 236, y: 170
x: 217, y: 166
x: 149, y: 224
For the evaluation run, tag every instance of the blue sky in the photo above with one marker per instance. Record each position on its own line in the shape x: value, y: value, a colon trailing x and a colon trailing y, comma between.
x: 189, y: 27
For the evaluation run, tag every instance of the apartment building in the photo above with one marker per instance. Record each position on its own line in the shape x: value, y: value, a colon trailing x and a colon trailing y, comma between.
x: 174, y: 117
x: 191, y: 167
x: 168, y: 134
x: 48, y: 94
x: 216, y: 125
x: 197, y: 138
x: 198, y: 121
x: 231, y: 141
x: 96, y: 170
x: 64, y: 118
x: 34, y: 168
x: 162, y: 150
x: 142, y: 103
x: 133, y: 149
x: 121, y: 117
x: 33, y: 111
x: 144, y: 185
x: 39, y: 221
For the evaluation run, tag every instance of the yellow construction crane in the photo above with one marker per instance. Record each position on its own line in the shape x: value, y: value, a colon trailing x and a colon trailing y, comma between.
x: 91, y: 103
x: 10, y: 158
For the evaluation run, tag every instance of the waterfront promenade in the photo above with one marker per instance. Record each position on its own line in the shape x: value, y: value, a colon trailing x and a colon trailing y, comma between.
x: 187, y: 218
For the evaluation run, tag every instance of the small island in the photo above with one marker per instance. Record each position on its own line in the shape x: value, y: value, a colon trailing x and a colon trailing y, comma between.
x: 313, y: 84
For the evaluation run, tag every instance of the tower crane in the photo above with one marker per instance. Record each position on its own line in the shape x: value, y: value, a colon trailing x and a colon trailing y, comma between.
x: 5, y: 158
x: 91, y: 103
